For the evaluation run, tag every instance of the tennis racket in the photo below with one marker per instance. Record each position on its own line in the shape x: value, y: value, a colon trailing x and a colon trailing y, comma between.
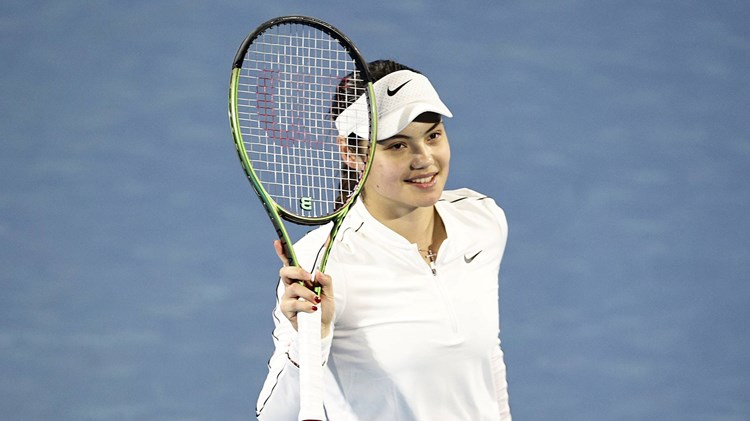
x: 290, y: 77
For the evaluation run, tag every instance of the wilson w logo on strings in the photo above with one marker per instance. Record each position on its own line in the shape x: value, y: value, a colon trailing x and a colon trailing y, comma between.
x: 290, y: 109
x: 292, y: 140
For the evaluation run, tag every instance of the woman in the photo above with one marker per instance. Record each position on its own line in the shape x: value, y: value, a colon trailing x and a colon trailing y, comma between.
x: 411, y: 331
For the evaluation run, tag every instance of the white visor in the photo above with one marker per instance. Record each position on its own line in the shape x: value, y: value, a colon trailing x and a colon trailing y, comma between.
x: 400, y: 96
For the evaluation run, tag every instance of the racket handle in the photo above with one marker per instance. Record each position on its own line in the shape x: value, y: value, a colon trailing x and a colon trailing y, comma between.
x: 310, y: 366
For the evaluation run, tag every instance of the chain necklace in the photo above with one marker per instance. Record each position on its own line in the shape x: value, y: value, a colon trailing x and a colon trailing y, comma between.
x: 430, y: 256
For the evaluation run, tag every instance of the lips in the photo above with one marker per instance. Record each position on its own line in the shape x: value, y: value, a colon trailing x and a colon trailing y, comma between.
x: 426, y: 180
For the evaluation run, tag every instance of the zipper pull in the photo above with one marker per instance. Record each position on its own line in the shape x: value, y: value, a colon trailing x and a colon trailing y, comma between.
x: 431, y: 257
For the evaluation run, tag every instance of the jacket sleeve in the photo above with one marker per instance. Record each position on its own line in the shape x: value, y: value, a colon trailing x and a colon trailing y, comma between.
x: 501, y: 384
x: 498, y: 361
x: 279, y: 397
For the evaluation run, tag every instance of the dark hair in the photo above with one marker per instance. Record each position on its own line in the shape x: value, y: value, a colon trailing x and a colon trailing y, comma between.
x: 350, y: 88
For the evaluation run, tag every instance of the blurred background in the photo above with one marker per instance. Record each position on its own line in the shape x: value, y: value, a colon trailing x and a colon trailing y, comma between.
x: 136, y: 264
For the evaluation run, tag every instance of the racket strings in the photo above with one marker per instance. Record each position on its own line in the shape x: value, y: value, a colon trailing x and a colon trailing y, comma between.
x: 288, y: 80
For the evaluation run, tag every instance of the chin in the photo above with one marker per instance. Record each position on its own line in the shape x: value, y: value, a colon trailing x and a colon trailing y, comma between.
x: 430, y: 199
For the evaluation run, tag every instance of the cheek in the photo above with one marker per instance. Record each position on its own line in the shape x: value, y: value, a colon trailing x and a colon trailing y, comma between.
x: 444, y: 156
x: 374, y: 178
x: 380, y: 177
x: 381, y: 170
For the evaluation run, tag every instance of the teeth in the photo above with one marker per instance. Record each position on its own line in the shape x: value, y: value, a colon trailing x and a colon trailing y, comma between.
x: 421, y: 180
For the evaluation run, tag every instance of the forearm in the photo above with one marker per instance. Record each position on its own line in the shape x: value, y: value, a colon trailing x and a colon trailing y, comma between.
x: 279, y: 398
x: 280, y: 395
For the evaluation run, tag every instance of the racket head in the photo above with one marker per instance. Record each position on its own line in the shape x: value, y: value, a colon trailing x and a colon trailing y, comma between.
x: 285, y: 78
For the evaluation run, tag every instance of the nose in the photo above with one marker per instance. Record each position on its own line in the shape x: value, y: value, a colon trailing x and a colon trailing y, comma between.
x: 421, y: 157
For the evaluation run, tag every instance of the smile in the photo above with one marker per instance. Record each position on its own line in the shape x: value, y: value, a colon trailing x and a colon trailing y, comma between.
x: 423, y: 181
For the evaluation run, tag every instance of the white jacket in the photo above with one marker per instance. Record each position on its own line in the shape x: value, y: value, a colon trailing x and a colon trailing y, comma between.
x: 407, y: 344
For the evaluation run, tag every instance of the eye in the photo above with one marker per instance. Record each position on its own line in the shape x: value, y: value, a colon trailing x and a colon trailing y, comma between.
x: 435, y: 135
x: 396, y: 146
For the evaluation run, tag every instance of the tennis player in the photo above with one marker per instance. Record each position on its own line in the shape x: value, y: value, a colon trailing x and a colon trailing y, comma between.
x: 412, y: 329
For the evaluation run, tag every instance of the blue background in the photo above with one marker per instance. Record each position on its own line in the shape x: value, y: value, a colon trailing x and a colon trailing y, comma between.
x: 136, y: 265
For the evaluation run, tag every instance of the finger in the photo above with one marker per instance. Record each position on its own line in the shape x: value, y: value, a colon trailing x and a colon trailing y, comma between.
x: 294, y: 275
x: 295, y: 307
x: 299, y: 299
x: 323, y: 280
x: 279, y: 248
x: 296, y: 292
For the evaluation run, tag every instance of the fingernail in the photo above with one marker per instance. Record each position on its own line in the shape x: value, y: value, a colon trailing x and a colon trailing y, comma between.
x: 317, y: 299
x: 314, y: 308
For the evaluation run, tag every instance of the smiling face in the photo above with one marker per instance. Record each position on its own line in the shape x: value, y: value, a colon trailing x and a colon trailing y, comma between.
x: 409, y: 170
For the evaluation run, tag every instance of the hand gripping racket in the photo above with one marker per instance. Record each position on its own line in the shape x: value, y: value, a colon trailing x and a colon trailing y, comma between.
x: 290, y: 77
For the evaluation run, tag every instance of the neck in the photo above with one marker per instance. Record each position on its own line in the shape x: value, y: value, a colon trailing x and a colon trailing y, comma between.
x: 420, y: 226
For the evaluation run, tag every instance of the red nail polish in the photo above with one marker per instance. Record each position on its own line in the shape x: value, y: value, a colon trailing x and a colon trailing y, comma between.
x: 314, y: 308
x: 317, y: 299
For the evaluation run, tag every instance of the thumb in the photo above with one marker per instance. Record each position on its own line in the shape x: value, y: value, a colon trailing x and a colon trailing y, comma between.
x: 281, y: 252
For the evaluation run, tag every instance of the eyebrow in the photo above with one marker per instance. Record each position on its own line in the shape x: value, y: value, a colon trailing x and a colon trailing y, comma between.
x: 400, y: 136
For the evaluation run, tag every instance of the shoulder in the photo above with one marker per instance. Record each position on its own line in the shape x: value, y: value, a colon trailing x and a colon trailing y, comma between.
x: 473, y: 212
x: 464, y: 195
x: 469, y: 201
x: 473, y: 221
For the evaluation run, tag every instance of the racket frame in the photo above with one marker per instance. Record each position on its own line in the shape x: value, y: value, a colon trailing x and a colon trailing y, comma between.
x: 276, y: 212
